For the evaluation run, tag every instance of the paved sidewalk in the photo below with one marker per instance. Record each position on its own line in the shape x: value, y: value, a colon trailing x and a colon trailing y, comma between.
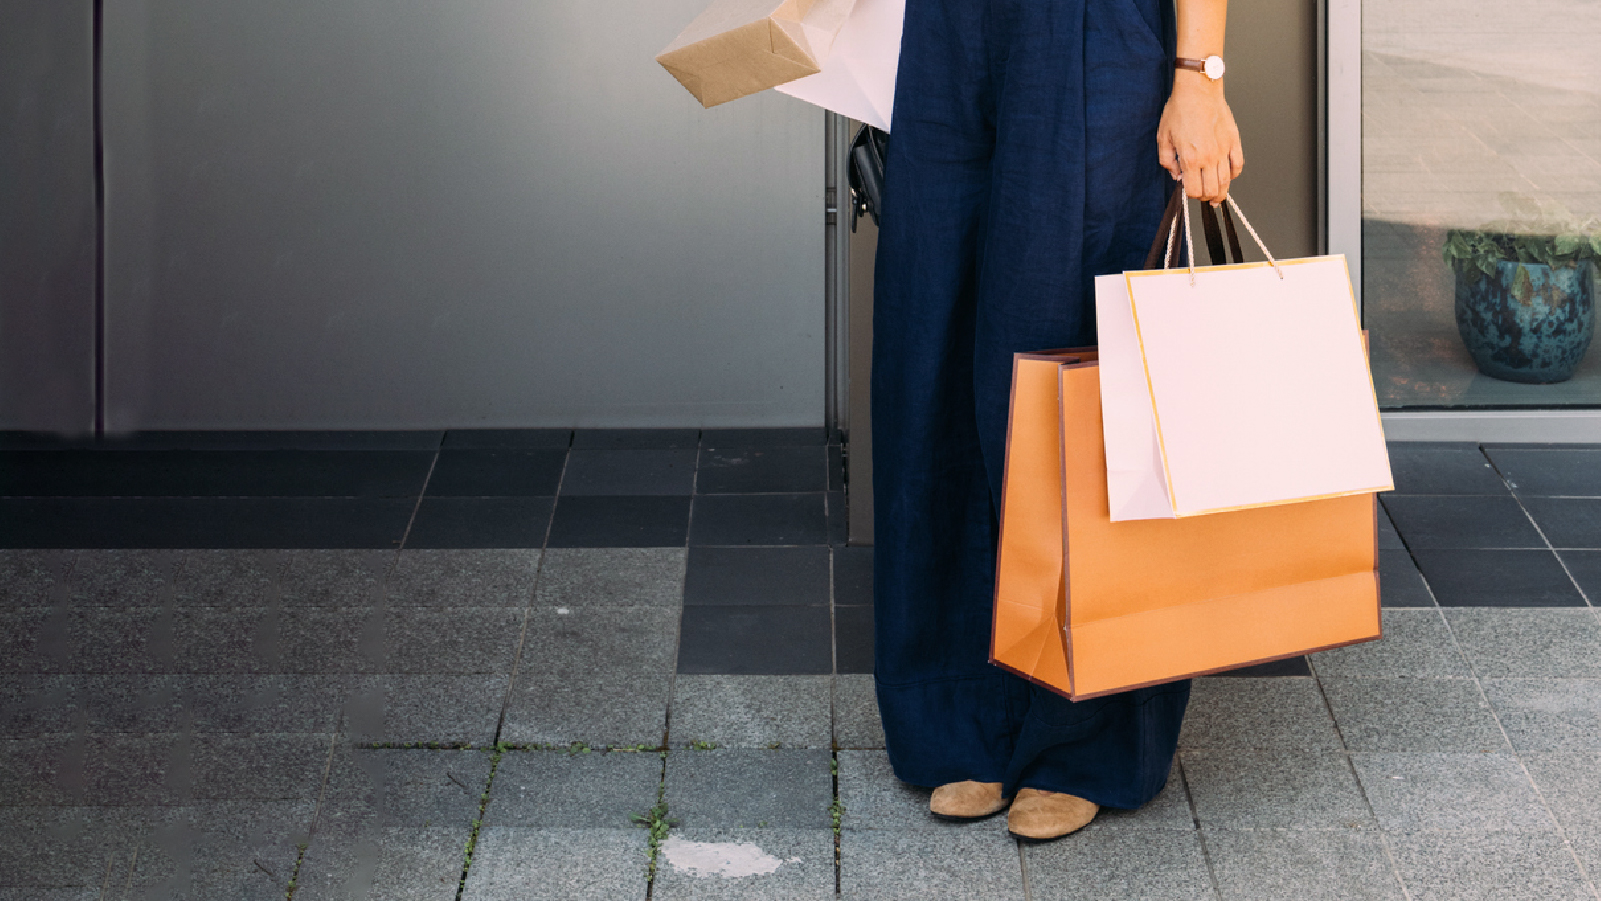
x: 407, y: 720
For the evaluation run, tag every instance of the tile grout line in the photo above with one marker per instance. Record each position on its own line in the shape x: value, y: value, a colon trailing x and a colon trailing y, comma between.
x: 1195, y: 821
x: 1541, y: 532
x: 1523, y: 766
x: 1350, y: 766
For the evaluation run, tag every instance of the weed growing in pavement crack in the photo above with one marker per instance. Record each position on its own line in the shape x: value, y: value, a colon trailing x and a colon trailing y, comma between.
x: 483, y: 804
x: 657, y: 822
x: 295, y: 875
x: 836, y: 812
x: 703, y: 746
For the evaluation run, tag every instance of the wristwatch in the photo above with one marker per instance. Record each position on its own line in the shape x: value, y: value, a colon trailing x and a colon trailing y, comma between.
x: 1211, y: 67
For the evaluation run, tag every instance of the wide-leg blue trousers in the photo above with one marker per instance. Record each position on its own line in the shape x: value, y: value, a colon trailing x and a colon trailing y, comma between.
x: 1022, y: 163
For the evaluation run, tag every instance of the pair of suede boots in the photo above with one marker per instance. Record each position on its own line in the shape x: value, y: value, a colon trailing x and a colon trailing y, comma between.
x: 1035, y: 816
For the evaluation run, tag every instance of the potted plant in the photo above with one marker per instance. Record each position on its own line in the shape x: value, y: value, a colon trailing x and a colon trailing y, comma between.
x: 1525, y: 292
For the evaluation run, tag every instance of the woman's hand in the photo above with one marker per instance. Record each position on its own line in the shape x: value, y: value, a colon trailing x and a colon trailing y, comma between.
x: 1197, y: 140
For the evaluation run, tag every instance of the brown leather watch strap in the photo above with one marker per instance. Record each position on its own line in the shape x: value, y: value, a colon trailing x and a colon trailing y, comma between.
x: 1194, y: 65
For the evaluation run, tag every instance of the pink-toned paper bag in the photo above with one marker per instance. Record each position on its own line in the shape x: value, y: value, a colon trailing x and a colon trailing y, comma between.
x: 858, y: 76
x: 1236, y: 386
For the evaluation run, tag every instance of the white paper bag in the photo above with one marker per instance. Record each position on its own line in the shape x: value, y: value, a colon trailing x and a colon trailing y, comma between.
x: 1240, y: 386
x: 858, y: 74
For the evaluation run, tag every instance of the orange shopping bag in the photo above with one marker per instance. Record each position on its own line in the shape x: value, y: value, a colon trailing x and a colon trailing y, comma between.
x: 1089, y: 607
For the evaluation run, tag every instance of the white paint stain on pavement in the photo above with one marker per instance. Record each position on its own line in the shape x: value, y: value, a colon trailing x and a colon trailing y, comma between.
x: 727, y: 859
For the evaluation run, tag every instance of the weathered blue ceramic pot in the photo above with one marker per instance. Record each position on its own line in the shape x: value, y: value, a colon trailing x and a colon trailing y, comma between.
x: 1527, y: 322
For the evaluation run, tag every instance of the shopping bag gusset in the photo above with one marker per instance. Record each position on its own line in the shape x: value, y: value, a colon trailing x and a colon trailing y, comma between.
x: 858, y: 76
x: 739, y: 47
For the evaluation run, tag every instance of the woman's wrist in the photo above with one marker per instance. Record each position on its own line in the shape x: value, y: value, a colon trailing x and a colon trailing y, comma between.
x: 1190, y: 81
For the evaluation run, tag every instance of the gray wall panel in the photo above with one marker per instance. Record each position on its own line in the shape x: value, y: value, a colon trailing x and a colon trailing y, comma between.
x: 47, y: 215
x: 404, y: 213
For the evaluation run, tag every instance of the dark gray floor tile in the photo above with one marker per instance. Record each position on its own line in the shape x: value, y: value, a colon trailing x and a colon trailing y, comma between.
x: 728, y: 470
x: 452, y: 639
x: 765, y: 640
x: 752, y: 711
x: 1428, y: 468
x: 329, y: 578
x: 788, y: 865
x: 433, y: 707
x: 628, y: 439
x: 480, y: 522
x: 750, y: 789
x: 976, y: 863
x: 1290, y: 666
x: 39, y: 704
x: 853, y: 639
x: 641, y: 473
x: 1432, y: 522
x: 213, y: 473
x: 1307, y: 866
x: 589, y: 641
x: 204, y: 522
x: 1529, y: 644
x: 1493, y: 867
x: 1416, y: 644
x: 210, y: 703
x: 244, y: 850
x: 266, y: 766
x: 620, y: 522
x: 421, y: 862
x: 233, y: 439
x: 1400, y: 583
x: 231, y: 577
x: 512, y: 863
x: 838, y: 519
x: 1413, y: 715
x: 566, y: 789
x: 51, y: 852
x: 757, y: 575
x: 1495, y: 578
x: 1275, y: 790
x: 1568, y: 522
x: 45, y: 771
x: 331, y: 640
x: 1558, y: 471
x: 1450, y: 791
x: 461, y: 577
x: 1548, y: 714
x: 773, y: 519
x: 123, y: 640
x: 853, y: 577
x: 836, y: 468
x: 127, y: 577
x: 1389, y: 538
x: 405, y: 786
x: 34, y: 577
x: 36, y: 640
x: 555, y: 708
x: 497, y: 473
x: 1585, y: 567
x: 720, y: 438
x: 1267, y: 714
x: 506, y: 439
x: 612, y: 577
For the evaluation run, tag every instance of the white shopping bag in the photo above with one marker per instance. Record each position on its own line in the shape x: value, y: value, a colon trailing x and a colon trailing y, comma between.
x: 1238, y: 386
x: 858, y: 75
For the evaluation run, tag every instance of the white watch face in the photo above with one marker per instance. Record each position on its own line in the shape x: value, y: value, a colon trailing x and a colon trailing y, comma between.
x: 1214, y: 67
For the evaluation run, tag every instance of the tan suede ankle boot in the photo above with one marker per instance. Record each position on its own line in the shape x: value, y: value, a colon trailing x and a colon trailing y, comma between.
x: 967, y: 800
x: 1040, y: 816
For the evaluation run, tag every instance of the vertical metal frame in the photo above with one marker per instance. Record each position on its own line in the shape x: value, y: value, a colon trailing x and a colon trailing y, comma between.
x: 837, y: 284
x: 1342, y: 102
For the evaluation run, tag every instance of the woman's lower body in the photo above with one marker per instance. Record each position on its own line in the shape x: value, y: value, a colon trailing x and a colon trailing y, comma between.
x: 1022, y: 163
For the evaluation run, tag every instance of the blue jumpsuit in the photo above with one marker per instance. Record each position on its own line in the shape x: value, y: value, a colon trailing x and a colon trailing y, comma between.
x: 1022, y: 163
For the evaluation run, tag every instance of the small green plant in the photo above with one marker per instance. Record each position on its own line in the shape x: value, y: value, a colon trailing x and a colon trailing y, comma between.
x: 577, y: 748
x: 836, y: 812
x: 703, y: 745
x: 775, y: 746
x: 1533, y: 234
x: 657, y: 822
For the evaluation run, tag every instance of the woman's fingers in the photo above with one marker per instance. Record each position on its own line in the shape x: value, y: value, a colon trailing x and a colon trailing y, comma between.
x: 1167, y: 155
x: 1237, y: 159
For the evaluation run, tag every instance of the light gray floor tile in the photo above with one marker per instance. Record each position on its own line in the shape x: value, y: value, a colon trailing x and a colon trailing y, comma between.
x: 788, y: 865
x: 403, y: 787
x: 1570, y: 782
x: 1529, y: 643
x: 1416, y: 643
x: 1096, y: 865
x: 971, y: 864
x: 235, y: 850
x: 452, y: 639
x: 600, y: 710
x: 1170, y: 809
x: 67, y: 846
x: 334, y: 577
x: 1493, y: 867
x: 874, y: 799
x: 85, y: 893
x: 516, y: 864
x: 1487, y: 792
x: 1413, y: 715
x: 124, y: 577
x: 276, y: 766
x: 590, y: 641
x: 594, y: 790
x: 1548, y: 714
x: 751, y: 711
x: 612, y: 577
x: 465, y: 577
x: 723, y: 789
x: 856, y: 718
x: 1587, y: 848
x: 1306, y: 866
x: 202, y: 703
x: 34, y: 577
x: 1275, y: 790
x: 1281, y: 713
x: 332, y: 639
x: 423, y: 708
x: 226, y: 577
x: 408, y: 863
